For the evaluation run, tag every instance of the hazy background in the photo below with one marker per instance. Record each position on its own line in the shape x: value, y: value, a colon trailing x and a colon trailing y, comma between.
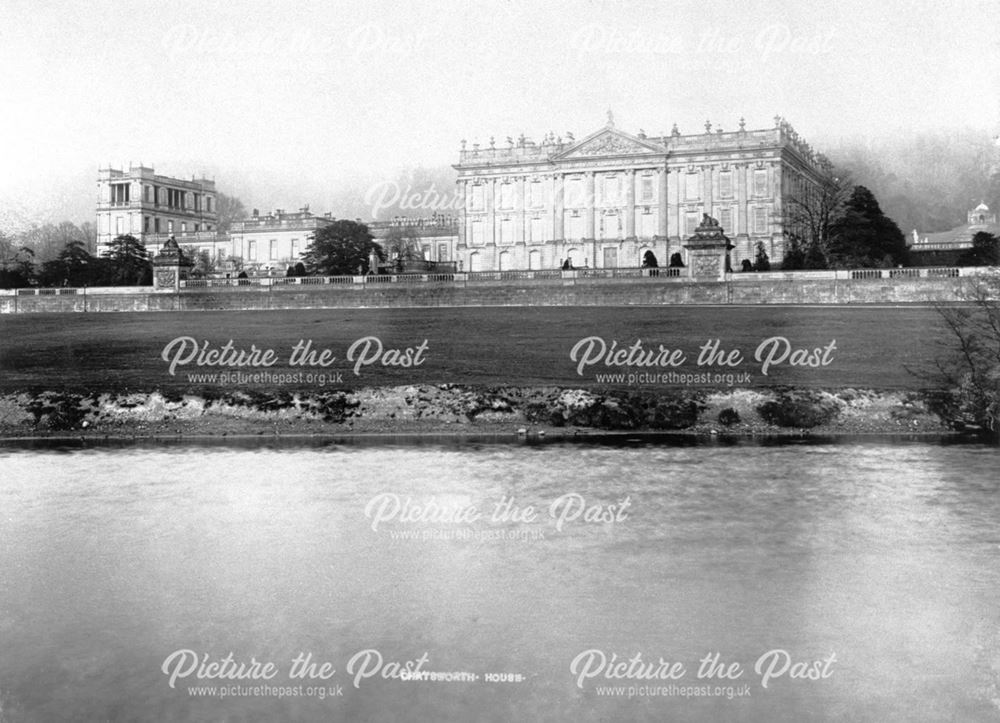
x: 318, y: 102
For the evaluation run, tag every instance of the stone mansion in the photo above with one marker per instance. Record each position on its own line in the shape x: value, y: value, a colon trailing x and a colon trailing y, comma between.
x: 600, y: 202
x: 605, y: 200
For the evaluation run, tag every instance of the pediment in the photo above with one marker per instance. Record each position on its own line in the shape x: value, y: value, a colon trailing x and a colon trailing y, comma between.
x: 610, y: 142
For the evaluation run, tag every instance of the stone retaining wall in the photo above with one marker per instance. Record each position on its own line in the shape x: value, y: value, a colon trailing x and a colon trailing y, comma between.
x: 594, y: 292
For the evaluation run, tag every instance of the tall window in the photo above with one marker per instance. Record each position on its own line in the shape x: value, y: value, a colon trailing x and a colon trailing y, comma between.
x: 506, y: 195
x: 252, y: 250
x: 690, y: 222
x: 575, y: 227
x: 726, y: 184
x: 647, y: 224
x: 760, y: 219
x: 295, y: 248
x: 537, y: 194
x: 646, y: 189
x: 477, y: 232
x: 726, y: 219
x: 760, y: 182
x: 610, y: 190
x: 272, y: 252
x: 476, y: 197
x: 537, y: 230
x: 691, y: 190
x: 506, y: 231
x: 442, y: 252
x: 574, y: 192
x: 610, y: 226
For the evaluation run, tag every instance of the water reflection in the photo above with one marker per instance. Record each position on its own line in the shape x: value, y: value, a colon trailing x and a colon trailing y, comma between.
x: 882, y: 553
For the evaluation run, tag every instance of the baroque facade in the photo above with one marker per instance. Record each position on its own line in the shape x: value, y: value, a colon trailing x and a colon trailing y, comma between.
x: 152, y: 207
x: 605, y: 200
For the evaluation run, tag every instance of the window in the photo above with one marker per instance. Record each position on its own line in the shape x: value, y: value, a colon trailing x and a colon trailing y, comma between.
x: 726, y: 184
x: 691, y: 191
x: 760, y: 182
x: 184, y: 227
x: 425, y: 249
x: 476, y: 197
x: 610, y: 195
x: 170, y: 226
x: 574, y: 193
x: 156, y: 225
x: 506, y: 231
x: 610, y: 226
x: 197, y: 227
x: 477, y: 232
x: 690, y: 223
x: 295, y: 248
x: 726, y: 219
x: 252, y: 251
x: 646, y: 189
x: 760, y: 219
x: 575, y: 227
x: 149, y: 194
x: 145, y: 224
x: 208, y: 204
x: 119, y: 225
x: 272, y: 252
x: 537, y: 230
x: 506, y: 195
x: 442, y: 252
x: 537, y: 194
x: 647, y: 226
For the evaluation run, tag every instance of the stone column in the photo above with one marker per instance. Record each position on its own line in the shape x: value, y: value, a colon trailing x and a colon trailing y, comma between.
x: 707, y: 196
x: 462, y: 189
x: 661, y: 226
x: 558, y: 208
x: 588, y: 189
x: 491, y: 217
x: 520, y: 210
x: 630, y: 205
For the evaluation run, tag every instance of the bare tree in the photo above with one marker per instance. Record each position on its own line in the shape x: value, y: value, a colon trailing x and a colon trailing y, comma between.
x: 809, y: 216
x: 229, y: 209
x: 971, y: 369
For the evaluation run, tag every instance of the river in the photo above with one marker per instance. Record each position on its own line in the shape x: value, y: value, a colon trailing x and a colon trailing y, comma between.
x: 858, y: 579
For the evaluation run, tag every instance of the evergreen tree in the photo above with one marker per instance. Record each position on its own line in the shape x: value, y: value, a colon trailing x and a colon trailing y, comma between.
x: 985, y: 251
x: 128, y: 262
x: 865, y: 237
x: 340, y: 249
x: 761, y: 261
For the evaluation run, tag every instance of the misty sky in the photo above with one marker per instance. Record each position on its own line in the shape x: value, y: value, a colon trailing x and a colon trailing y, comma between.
x: 292, y: 103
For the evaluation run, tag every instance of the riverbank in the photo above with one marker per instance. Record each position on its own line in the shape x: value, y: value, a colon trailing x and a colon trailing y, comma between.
x: 466, y: 410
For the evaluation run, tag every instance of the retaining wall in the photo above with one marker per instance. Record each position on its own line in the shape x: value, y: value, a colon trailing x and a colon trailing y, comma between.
x: 594, y: 292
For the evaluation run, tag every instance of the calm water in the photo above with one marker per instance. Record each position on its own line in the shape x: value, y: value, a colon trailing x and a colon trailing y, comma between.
x: 882, y: 554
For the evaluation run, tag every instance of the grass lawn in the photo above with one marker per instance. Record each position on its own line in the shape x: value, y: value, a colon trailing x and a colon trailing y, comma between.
x: 482, y: 346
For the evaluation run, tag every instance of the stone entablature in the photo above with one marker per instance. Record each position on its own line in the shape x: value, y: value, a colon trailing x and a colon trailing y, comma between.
x: 609, y: 198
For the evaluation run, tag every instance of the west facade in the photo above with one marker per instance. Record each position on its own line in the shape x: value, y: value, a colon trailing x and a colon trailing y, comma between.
x: 605, y: 200
x: 153, y: 207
